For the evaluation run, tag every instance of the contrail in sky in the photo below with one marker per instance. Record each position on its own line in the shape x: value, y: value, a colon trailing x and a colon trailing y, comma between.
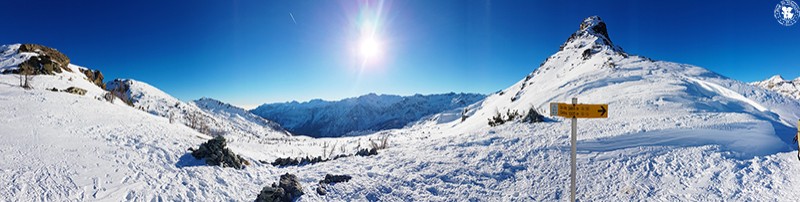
x: 290, y: 15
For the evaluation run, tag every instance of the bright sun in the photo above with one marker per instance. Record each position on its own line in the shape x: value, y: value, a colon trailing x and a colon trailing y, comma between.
x: 369, y: 48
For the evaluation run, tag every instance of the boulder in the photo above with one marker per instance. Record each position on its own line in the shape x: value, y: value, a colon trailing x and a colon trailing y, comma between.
x: 49, y: 60
x: 271, y: 194
x: 75, y: 90
x: 367, y: 152
x: 288, y: 189
x: 332, y: 179
x: 215, y: 153
x: 292, y: 187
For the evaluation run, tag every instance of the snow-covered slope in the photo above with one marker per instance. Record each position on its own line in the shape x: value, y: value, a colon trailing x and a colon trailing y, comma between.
x: 675, y: 132
x: 371, y: 112
x: 646, y: 98
x: 241, y: 119
x: 64, y: 147
x: 221, y: 118
x: 11, y: 58
x: 776, y: 83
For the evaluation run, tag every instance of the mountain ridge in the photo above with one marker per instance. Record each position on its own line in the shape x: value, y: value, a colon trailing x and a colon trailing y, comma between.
x: 778, y: 84
x: 364, y: 114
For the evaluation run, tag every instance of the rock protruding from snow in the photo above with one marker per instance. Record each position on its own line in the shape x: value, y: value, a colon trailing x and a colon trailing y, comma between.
x: 287, y: 190
x: 46, y: 61
x: 37, y: 59
x: 216, y: 153
x: 776, y: 83
x: 592, y: 32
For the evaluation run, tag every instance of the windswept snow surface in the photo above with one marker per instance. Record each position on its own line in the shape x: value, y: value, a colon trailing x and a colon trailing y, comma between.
x: 675, y: 132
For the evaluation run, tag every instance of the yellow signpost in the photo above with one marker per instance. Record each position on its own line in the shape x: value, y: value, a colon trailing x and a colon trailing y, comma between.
x: 579, y: 110
x: 797, y: 139
x: 576, y: 111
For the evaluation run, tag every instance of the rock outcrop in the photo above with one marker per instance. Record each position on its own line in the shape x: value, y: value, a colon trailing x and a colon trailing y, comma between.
x: 75, y: 90
x: 48, y: 60
x: 593, y: 29
x: 95, y: 76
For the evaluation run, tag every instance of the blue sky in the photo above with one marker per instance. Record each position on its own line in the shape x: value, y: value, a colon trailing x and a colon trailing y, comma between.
x: 253, y: 52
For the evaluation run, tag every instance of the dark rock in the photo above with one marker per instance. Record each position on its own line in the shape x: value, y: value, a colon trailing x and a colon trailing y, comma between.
x: 288, y: 189
x: 121, y: 89
x: 321, y: 190
x: 332, y: 179
x: 367, y: 152
x: 95, y: 77
x: 292, y: 187
x: 587, y: 54
x: 216, y: 154
x: 533, y: 117
x: 75, y: 90
x: 592, y: 26
x: 270, y: 194
x: 49, y: 60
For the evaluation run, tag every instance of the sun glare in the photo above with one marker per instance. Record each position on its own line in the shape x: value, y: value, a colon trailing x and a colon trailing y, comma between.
x: 369, y: 48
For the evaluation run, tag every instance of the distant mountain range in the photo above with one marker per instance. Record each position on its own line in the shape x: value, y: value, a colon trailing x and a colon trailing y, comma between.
x: 353, y: 116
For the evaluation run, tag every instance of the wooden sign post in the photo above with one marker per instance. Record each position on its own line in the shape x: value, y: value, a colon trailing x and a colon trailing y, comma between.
x: 576, y: 111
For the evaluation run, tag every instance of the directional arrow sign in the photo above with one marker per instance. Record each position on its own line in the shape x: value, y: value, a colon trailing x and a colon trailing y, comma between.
x: 579, y: 110
x: 576, y: 111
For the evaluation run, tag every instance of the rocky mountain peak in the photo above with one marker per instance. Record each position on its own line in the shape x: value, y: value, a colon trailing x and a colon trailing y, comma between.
x: 592, y: 30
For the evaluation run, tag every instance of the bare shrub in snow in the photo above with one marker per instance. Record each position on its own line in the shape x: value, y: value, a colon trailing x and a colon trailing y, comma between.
x: 196, y: 121
x: 499, y: 119
x: 25, y: 77
x: 496, y: 120
x: 382, y: 143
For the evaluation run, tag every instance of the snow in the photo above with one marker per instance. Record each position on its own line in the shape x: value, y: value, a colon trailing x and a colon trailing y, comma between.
x: 675, y: 132
x: 10, y: 57
x: 222, y: 118
x: 778, y: 84
x: 728, y: 93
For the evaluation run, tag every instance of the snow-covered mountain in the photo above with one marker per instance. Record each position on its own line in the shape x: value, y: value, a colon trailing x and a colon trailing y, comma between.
x: 675, y: 132
x: 367, y: 113
x: 776, y: 83
x: 212, y: 116
x: 656, y: 102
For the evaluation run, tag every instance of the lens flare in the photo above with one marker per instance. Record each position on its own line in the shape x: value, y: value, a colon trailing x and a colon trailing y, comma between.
x: 370, y: 47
